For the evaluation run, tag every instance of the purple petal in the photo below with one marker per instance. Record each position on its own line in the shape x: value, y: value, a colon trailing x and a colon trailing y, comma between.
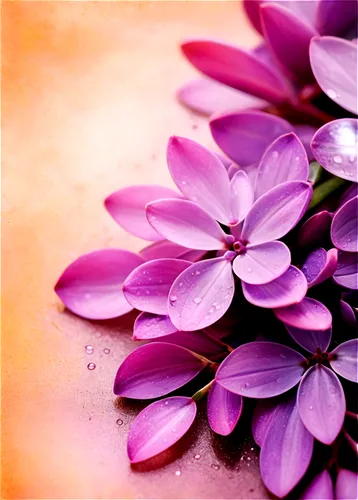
x: 289, y: 288
x: 347, y: 270
x: 159, y: 426
x: 260, y: 370
x: 344, y: 230
x: 262, y: 418
x: 307, y: 315
x: 186, y: 224
x: 350, y: 193
x: 284, y: 160
x: 147, y: 287
x: 224, y: 409
x: 167, y: 249
x: 277, y: 212
x: 237, y: 68
x: 198, y: 342
x: 155, y: 369
x: 127, y: 207
x: 335, y: 147
x: 286, y: 451
x: 292, y: 52
x: 200, y: 176
x: 345, y: 361
x: 315, y: 229
x: 151, y: 326
x: 335, y: 17
x: 334, y: 65
x: 241, y: 196
x: 346, y: 485
x: 321, y: 403
x: 92, y: 285
x: 305, y: 134
x: 201, y: 294
x: 245, y: 136
x: 262, y: 264
x: 208, y: 97
x: 320, y: 266
x: 347, y: 314
x: 321, y: 487
x: 311, y: 339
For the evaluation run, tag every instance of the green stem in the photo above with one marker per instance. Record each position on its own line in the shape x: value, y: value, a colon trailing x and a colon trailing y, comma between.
x: 322, y: 191
x: 203, y: 391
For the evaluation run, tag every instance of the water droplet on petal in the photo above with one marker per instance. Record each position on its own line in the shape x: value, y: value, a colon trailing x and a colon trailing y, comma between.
x: 249, y: 270
x: 337, y: 159
x: 197, y: 457
x: 173, y: 298
x: 106, y: 350
x: 177, y: 472
x: 119, y: 422
x: 332, y: 93
x: 215, y: 466
x: 91, y: 366
x: 89, y: 349
x: 197, y: 300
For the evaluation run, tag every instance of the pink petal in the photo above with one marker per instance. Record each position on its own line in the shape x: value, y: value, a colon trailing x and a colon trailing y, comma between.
x: 289, y: 288
x: 315, y: 229
x: 244, y: 136
x: 200, y: 176
x: 155, y: 369
x: 321, y: 487
x: 260, y: 370
x: 335, y: 148
x: 237, y: 68
x: 252, y: 9
x: 292, y: 52
x: 334, y: 65
x: 262, y: 263
x: 284, y: 160
x: 186, y: 224
x: 127, y: 207
x: 345, y: 361
x: 151, y: 326
x: 147, y: 287
x: 201, y: 294
x: 286, y: 451
x: 346, y: 485
x: 262, y: 418
x: 159, y: 426
x: 162, y: 249
x: 311, y: 339
x: 92, y: 285
x: 208, y: 97
x: 347, y: 270
x: 344, y: 229
x: 224, y: 409
x: 241, y: 196
x: 277, y: 212
x: 320, y: 266
x: 321, y: 403
x: 307, y: 315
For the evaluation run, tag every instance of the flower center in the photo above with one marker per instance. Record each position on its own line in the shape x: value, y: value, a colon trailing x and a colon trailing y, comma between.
x: 240, y: 247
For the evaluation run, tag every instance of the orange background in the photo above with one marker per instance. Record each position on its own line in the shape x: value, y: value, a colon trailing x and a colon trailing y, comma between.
x: 88, y: 105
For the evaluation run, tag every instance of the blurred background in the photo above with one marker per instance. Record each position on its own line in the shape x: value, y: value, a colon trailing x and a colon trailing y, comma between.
x: 88, y: 99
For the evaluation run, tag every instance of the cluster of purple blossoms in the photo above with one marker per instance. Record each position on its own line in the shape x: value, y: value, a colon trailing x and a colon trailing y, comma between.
x: 250, y: 283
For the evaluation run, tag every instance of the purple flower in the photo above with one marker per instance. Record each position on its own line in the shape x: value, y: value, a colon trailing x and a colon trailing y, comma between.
x: 321, y: 487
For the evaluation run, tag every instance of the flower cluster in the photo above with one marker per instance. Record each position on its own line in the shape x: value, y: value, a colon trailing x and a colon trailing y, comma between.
x: 250, y: 281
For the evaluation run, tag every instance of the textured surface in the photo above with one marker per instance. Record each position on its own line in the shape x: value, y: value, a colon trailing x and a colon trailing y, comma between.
x: 88, y: 107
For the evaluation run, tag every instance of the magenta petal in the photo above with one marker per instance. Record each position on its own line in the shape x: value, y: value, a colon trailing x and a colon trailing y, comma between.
x: 261, y: 264
x: 320, y: 266
x: 277, y: 212
x: 167, y: 249
x: 321, y: 487
x: 311, y: 339
x: 241, y: 196
x: 284, y: 160
x: 307, y: 315
x: 315, y: 229
x: 198, y: 342
x: 127, y: 207
x: 346, y: 485
x: 289, y: 288
x: 200, y: 176
x: 262, y: 418
x: 159, y: 426
x: 147, y: 287
x: 345, y: 361
x: 288, y: 36
x: 344, y: 229
x: 334, y: 64
x: 286, y: 451
x: 237, y: 68
x: 321, y: 403
x: 155, y: 369
x: 335, y: 17
x: 92, y: 285
x: 151, y: 326
x: 208, y: 97
x: 347, y: 270
x: 260, y: 370
x: 201, y: 294
x: 335, y: 148
x: 185, y: 223
x: 245, y: 136
x: 350, y: 193
x: 224, y: 409
x: 252, y: 9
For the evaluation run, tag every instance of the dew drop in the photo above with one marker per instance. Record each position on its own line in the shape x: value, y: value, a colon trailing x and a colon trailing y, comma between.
x: 173, y: 298
x: 119, y: 422
x: 197, y: 457
x: 197, y: 300
x: 89, y: 349
x: 249, y: 270
x: 106, y: 350
x: 337, y: 159
x: 332, y: 93
x: 177, y: 473
x: 215, y: 466
x: 183, y: 182
x: 197, y: 273
x: 311, y: 407
x: 218, y: 307
x: 352, y: 159
x: 91, y: 366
